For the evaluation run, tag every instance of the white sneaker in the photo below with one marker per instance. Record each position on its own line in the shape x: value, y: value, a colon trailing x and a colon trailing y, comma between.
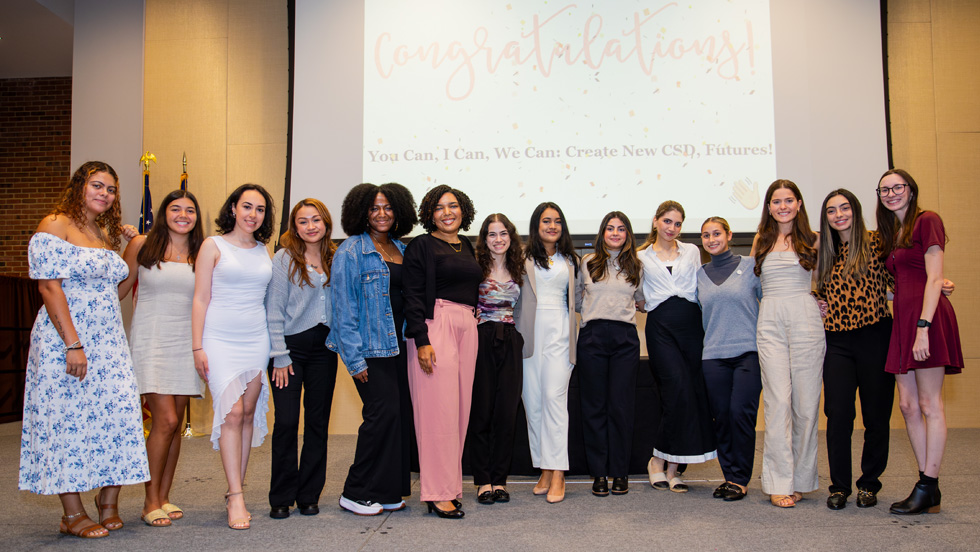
x: 360, y: 507
x: 393, y: 507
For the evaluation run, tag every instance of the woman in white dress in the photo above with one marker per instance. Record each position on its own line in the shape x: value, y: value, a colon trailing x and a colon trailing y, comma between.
x: 161, y: 269
x: 82, y: 427
x: 230, y: 335
x: 545, y: 318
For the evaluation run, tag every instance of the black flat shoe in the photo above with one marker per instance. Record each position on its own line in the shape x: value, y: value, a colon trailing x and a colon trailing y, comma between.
x: 450, y: 514
x: 501, y: 495
x: 600, y: 487
x: 621, y: 486
x: 486, y: 497
x: 837, y: 501
x: 924, y: 498
x: 721, y: 491
x: 279, y: 512
x: 734, y: 493
x: 866, y: 498
x: 309, y: 509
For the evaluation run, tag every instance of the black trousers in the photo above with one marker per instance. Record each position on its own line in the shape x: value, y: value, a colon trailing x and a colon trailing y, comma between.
x: 607, y: 360
x: 497, y: 385
x: 734, y: 385
x: 315, y: 370
x: 381, y: 471
x: 855, y: 360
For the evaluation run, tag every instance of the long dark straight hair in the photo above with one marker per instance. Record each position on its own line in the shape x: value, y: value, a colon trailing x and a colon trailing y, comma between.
x: 535, y: 247
x: 629, y: 264
x: 803, y: 238
x: 158, y: 238
x: 897, y: 234
x: 514, y: 259
x: 859, y: 249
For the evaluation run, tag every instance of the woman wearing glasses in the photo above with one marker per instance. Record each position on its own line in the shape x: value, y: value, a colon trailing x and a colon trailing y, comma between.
x: 925, y: 341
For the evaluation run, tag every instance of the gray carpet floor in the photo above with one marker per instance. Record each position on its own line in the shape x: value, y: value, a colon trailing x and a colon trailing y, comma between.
x: 644, y: 519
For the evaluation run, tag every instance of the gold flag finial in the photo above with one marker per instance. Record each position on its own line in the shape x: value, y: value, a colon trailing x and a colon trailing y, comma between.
x: 145, y: 160
x: 184, y: 161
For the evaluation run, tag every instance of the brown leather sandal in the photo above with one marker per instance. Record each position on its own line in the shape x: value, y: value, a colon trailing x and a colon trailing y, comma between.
x: 109, y: 522
x: 69, y: 526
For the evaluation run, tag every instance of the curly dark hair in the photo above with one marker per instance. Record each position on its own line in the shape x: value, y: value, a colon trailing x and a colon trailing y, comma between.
x: 72, y: 203
x: 535, y: 249
x: 428, y: 207
x: 226, y: 220
x: 158, y: 238
x: 514, y: 260
x: 357, y: 205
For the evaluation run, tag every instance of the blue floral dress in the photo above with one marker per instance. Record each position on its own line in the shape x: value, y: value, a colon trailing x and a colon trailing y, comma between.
x: 79, y: 435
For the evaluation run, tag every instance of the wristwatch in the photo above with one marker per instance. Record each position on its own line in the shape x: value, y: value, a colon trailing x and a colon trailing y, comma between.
x: 923, y: 323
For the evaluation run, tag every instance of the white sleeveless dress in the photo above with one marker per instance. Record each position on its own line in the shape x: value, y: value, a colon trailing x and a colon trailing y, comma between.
x: 160, y: 335
x: 236, y: 337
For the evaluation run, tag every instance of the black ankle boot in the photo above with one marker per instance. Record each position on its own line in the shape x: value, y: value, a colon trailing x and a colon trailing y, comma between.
x: 924, y: 498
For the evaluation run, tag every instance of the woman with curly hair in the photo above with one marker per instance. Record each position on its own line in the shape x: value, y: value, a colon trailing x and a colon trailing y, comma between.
x: 545, y: 317
x: 609, y: 352
x: 925, y: 339
x: 368, y: 315
x: 82, y: 423
x: 230, y: 336
x: 499, y: 369
x: 442, y: 283
x: 162, y: 262
x: 303, y: 368
x: 791, y: 344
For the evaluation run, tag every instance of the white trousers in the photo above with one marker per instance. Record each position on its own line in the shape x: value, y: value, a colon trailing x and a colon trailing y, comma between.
x: 546, y: 375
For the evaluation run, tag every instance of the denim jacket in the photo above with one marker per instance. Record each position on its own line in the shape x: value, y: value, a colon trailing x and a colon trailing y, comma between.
x: 363, y: 324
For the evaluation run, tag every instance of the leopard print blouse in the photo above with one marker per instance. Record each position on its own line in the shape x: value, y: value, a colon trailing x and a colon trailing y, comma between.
x: 855, y: 304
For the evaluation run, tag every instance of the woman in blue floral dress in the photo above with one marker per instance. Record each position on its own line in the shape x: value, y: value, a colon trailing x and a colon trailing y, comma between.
x: 82, y: 424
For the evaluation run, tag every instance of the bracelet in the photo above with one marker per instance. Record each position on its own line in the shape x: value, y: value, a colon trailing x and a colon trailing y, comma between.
x: 76, y: 345
x: 198, y: 349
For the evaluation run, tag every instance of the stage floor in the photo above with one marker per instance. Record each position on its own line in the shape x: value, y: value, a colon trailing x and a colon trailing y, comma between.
x: 644, y: 519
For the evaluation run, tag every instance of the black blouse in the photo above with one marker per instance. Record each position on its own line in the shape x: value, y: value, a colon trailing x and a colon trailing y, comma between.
x: 434, y: 269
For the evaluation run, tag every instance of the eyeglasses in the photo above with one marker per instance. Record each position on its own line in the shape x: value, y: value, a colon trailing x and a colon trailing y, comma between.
x: 897, y: 189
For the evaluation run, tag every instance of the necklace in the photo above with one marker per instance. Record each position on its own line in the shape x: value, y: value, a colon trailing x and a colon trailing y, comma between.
x: 88, y: 230
x: 453, y: 246
x: 381, y: 249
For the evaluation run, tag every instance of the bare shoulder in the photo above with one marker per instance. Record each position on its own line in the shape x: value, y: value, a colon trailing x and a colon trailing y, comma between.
x: 56, y: 225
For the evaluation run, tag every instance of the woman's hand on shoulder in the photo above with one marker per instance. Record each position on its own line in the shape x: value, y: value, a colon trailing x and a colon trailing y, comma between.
x: 128, y: 231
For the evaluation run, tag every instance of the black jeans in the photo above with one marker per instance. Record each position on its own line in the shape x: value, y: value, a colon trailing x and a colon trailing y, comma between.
x: 855, y: 360
x: 315, y: 370
x: 497, y: 385
x: 607, y: 360
x: 733, y: 386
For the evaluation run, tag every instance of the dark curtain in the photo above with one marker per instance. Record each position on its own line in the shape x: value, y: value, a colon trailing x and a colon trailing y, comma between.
x: 20, y: 301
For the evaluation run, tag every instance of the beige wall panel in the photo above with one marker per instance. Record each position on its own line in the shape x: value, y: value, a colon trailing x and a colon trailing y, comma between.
x: 960, y: 392
x: 959, y: 165
x: 345, y: 414
x: 912, y: 102
x: 183, y: 19
x: 956, y: 44
x: 184, y: 96
x: 909, y: 11
x: 258, y: 72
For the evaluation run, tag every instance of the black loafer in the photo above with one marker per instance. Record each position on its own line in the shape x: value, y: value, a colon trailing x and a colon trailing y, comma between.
x: 866, y: 498
x: 279, y: 512
x: 620, y: 486
x: 721, y: 491
x: 309, y: 509
x: 836, y: 501
x: 734, y: 493
x: 600, y: 487
x: 486, y: 497
x: 501, y: 495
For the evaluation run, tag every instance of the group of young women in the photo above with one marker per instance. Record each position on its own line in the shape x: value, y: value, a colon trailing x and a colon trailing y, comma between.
x: 444, y: 340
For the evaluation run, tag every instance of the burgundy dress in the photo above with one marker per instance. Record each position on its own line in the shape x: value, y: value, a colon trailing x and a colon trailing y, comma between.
x: 909, y: 268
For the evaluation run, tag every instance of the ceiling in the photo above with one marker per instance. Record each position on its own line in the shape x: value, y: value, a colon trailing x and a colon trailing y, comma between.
x: 36, y: 38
